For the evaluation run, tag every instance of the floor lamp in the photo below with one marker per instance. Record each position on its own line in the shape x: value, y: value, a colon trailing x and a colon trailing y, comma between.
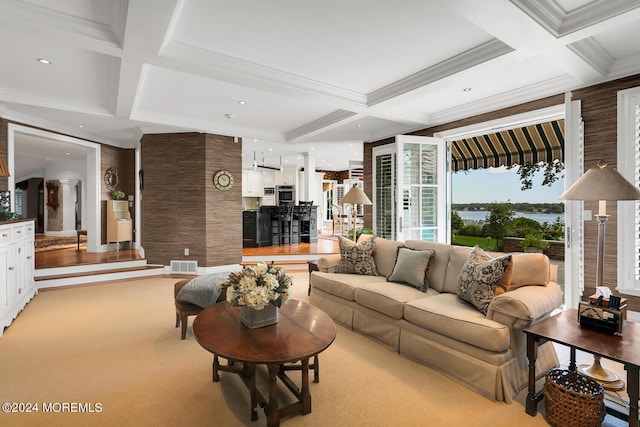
x: 356, y: 197
x: 601, y: 183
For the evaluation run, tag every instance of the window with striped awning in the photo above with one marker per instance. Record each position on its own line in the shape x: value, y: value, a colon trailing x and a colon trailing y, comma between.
x: 542, y: 142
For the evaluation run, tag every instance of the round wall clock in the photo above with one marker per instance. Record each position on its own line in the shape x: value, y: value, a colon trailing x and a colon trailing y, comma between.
x: 223, y: 180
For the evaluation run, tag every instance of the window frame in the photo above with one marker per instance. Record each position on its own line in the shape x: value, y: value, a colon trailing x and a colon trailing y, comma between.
x: 628, y: 148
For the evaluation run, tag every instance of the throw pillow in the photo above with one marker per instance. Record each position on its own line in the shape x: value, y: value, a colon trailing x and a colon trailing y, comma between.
x: 202, y: 291
x: 357, y: 258
x: 411, y: 267
x: 480, y: 276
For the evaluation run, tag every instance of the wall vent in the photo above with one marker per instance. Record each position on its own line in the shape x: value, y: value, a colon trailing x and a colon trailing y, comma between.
x: 184, y: 267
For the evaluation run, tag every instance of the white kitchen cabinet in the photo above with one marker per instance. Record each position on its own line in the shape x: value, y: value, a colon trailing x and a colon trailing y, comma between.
x: 289, y: 175
x: 252, y: 183
x: 17, y: 265
x: 270, y: 178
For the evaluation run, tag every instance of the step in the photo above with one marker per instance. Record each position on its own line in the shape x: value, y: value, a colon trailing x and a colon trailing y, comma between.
x: 78, y: 275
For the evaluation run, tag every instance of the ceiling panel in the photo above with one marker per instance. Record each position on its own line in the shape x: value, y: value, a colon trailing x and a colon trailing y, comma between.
x: 356, y: 44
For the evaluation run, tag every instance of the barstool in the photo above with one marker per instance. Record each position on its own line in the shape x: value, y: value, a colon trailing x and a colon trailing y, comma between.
x: 285, y: 216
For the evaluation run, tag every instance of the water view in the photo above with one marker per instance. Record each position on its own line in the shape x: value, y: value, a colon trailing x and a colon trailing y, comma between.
x: 477, y: 216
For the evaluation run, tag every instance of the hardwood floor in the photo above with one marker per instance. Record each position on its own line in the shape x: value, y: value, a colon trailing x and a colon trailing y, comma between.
x: 73, y: 257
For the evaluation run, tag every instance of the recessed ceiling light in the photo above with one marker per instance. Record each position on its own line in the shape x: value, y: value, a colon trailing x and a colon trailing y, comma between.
x: 43, y: 61
x: 270, y: 149
x: 466, y: 89
x: 242, y: 102
x: 81, y: 126
x: 255, y: 140
x: 312, y: 148
x: 68, y: 154
x: 358, y: 125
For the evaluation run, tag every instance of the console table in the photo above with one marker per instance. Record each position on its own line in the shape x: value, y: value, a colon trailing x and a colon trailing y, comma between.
x: 564, y: 329
x: 302, y: 331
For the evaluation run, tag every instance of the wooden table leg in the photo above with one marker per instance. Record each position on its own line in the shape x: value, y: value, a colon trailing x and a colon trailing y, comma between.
x: 216, y: 364
x: 305, y: 394
x: 272, y: 409
x: 532, y: 354
x: 632, y: 390
x: 316, y: 369
x: 250, y: 371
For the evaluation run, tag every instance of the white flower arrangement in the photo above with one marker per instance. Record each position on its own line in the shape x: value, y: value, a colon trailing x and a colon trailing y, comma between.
x: 259, y: 285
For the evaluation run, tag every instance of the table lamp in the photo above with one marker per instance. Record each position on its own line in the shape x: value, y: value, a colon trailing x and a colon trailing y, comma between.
x: 356, y: 197
x: 601, y: 183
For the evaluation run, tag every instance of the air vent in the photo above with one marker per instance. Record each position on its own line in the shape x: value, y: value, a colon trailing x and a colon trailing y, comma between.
x: 184, y: 267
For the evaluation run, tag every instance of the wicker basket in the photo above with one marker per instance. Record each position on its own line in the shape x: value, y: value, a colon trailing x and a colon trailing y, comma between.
x: 572, y: 399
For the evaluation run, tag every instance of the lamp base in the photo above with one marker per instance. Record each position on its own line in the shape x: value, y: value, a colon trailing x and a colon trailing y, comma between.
x: 597, y: 372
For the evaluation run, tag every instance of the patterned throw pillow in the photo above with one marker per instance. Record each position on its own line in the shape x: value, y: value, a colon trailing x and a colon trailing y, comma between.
x: 411, y: 267
x: 357, y: 258
x: 480, y: 276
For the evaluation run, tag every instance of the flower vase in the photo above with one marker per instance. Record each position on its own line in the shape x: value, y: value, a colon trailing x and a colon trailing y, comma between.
x: 252, y: 318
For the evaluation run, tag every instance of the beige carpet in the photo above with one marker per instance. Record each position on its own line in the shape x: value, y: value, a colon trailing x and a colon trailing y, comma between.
x: 115, y: 344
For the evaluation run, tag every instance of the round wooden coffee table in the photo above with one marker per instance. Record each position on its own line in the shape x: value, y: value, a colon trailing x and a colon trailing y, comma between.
x: 302, y: 331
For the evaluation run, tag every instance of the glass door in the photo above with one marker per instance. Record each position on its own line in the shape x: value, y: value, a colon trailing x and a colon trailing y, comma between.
x: 422, y: 169
x: 411, y: 189
x: 384, y: 191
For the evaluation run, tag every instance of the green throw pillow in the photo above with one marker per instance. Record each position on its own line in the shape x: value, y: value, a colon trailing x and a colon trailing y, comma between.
x: 357, y: 258
x: 480, y: 276
x: 411, y: 267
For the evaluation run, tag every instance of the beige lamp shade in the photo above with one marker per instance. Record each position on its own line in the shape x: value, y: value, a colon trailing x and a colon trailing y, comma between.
x: 4, y: 170
x: 356, y: 196
x: 602, y: 183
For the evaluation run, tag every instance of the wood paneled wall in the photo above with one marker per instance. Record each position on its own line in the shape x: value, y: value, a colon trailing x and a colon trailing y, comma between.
x: 181, y: 208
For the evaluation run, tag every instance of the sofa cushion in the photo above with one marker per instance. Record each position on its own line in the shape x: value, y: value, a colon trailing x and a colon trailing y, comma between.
x: 357, y: 258
x: 387, y: 297
x: 342, y: 285
x: 530, y: 269
x: 411, y: 267
x: 384, y: 255
x: 457, y: 259
x: 449, y: 316
x: 480, y: 277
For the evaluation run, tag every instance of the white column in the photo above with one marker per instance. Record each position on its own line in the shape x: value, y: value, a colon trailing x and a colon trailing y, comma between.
x: 309, y: 192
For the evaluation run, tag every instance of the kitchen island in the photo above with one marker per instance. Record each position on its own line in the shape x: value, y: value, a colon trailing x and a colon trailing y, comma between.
x: 260, y: 227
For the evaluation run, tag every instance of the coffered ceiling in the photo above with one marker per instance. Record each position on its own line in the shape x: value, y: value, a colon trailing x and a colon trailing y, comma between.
x: 291, y: 77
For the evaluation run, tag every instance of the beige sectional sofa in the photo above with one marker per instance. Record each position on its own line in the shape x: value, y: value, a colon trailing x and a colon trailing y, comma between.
x: 486, y: 353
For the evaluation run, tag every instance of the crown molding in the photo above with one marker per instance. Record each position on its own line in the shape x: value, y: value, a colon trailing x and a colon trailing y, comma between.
x: 322, y: 124
x: 475, y: 56
x: 17, y: 97
x: 184, y: 124
x: 528, y: 93
x: 554, y: 19
x: 209, y: 64
x: 51, y: 127
x: 590, y: 51
x: 29, y: 18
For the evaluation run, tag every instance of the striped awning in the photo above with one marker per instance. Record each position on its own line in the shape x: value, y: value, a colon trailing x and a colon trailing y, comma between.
x: 543, y: 142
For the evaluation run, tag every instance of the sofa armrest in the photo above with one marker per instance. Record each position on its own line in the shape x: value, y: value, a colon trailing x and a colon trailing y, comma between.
x: 526, y: 305
x: 328, y: 263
